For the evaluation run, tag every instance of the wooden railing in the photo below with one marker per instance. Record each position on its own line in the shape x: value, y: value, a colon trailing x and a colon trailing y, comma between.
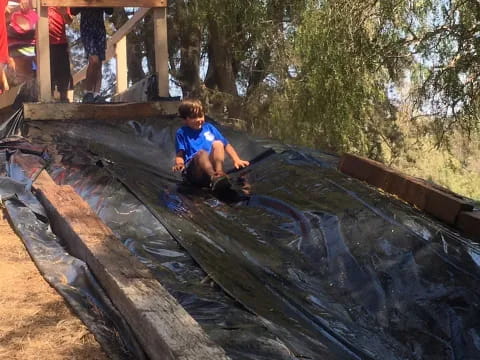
x: 116, y: 45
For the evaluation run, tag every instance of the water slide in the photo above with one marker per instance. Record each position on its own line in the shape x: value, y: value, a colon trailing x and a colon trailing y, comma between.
x: 298, y: 261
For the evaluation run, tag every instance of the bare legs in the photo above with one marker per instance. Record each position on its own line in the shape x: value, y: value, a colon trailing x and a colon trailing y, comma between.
x: 94, y: 74
x: 217, y: 157
x: 211, y: 164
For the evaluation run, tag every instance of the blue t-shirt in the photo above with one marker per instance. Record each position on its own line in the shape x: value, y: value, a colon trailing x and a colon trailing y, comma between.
x: 191, y: 141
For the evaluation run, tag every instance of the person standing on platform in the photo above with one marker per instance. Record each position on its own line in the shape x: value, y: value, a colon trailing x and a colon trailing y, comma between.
x: 61, y: 76
x: 94, y: 39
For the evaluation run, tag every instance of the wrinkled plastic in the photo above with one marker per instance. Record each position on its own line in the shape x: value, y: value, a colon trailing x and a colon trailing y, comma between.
x: 331, y: 268
x: 68, y: 275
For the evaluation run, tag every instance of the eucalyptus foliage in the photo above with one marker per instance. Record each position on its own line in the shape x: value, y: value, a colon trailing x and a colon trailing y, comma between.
x: 327, y: 73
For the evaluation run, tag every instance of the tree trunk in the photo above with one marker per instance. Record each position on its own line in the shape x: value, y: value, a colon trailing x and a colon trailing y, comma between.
x: 220, y: 74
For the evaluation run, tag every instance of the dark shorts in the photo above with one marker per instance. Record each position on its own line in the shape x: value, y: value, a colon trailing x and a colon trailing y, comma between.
x: 94, y: 40
x: 189, y: 175
x: 60, y: 67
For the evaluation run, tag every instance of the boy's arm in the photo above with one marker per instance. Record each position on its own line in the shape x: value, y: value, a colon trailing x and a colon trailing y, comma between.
x: 237, y: 162
x: 66, y: 14
x: 179, y: 162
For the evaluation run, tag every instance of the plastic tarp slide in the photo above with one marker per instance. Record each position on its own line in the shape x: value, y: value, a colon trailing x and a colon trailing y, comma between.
x: 331, y: 267
x: 68, y: 275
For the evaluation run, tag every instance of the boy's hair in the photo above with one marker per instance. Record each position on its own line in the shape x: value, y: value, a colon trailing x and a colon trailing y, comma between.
x: 191, y: 108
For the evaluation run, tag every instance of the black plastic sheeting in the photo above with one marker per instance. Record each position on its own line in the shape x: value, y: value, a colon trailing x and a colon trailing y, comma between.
x: 317, y: 265
x: 68, y: 275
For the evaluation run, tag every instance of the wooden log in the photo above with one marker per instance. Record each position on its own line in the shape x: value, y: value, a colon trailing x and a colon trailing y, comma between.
x: 434, y: 200
x: 469, y: 223
x: 445, y: 206
x: 162, y: 326
x: 105, y: 3
x: 39, y: 111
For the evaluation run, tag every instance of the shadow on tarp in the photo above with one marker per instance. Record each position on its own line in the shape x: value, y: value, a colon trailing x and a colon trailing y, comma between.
x: 331, y: 267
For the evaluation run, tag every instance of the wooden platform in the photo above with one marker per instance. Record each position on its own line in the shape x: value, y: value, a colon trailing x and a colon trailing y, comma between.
x: 162, y: 326
x: 111, y: 111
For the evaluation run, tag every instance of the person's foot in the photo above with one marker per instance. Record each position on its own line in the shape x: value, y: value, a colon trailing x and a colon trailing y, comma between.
x: 88, y: 98
x: 220, y: 182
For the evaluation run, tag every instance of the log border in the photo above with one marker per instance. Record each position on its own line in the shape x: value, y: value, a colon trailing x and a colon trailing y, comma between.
x: 439, y: 202
x: 161, y: 324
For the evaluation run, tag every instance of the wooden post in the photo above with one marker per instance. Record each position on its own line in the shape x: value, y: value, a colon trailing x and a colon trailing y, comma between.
x: 121, y: 53
x: 43, y: 55
x: 161, y: 50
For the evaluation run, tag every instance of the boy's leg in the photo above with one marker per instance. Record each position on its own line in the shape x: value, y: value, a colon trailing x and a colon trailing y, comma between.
x: 60, y: 69
x: 94, y: 74
x: 202, y: 165
x: 220, y: 180
x: 217, y: 157
x: 94, y: 41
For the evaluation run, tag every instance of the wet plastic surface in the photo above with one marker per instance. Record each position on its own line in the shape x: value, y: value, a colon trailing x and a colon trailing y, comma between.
x: 317, y: 265
x: 68, y: 275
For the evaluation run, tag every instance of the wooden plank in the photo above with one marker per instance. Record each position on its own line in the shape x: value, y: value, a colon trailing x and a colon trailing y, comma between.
x: 122, y: 71
x: 469, y: 223
x: 445, y: 206
x: 74, y: 111
x: 432, y: 199
x: 105, y: 3
x: 43, y: 56
x: 160, y: 323
x: 122, y: 32
x: 161, y: 50
x: 128, y: 26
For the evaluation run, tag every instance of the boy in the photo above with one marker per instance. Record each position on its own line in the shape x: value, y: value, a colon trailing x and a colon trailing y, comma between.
x: 200, y: 149
x: 61, y: 76
x: 94, y: 39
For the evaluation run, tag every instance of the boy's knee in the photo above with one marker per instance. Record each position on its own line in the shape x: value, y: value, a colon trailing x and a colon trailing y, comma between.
x: 217, y: 144
x: 94, y: 60
x: 201, y: 153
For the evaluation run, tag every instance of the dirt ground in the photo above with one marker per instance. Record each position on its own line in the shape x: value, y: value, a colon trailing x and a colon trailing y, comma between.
x: 35, y: 322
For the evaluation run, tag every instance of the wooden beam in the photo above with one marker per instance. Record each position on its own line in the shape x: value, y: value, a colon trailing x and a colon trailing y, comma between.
x: 113, y: 112
x: 161, y: 50
x: 160, y: 323
x: 129, y: 25
x: 122, y: 70
x: 105, y: 3
x: 43, y: 55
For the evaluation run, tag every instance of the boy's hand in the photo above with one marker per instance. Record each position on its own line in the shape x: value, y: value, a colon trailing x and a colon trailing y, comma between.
x: 178, y: 167
x: 238, y: 164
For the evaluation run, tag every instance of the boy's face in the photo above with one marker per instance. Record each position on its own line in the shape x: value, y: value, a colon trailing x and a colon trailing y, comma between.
x: 195, y: 123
